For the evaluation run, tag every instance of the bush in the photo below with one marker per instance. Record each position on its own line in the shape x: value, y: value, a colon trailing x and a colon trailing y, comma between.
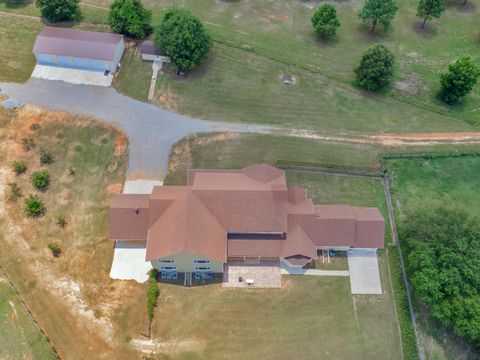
x: 152, y: 293
x: 15, y: 191
x: 61, y: 221
x: 129, y: 17
x: 325, y: 21
x: 459, y: 80
x: 182, y: 36
x: 376, y: 68
x: 59, y: 10
x: 55, y: 249
x: 33, y: 206
x: 19, y: 167
x: 46, y: 157
x: 40, y: 179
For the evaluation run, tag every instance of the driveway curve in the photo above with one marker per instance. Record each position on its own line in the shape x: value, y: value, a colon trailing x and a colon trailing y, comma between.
x: 151, y: 130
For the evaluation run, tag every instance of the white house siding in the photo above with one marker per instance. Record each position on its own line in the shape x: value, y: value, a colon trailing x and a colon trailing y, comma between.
x: 184, y: 262
x: 118, y: 54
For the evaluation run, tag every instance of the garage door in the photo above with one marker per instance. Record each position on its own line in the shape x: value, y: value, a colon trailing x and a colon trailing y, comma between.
x: 81, y: 63
x: 364, y: 272
x: 64, y: 61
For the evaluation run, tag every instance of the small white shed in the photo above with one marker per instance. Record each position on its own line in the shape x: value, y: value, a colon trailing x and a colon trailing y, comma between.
x: 151, y: 53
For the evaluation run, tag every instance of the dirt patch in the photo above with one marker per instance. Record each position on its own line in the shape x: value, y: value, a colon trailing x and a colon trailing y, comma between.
x: 14, y: 311
x: 411, y: 84
x: 169, y: 347
x: 115, y: 188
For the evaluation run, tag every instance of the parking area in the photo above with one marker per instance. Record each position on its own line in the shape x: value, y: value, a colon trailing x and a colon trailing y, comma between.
x: 129, y: 262
x: 265, y: 274
x: 72, y: 76
x: 364, y: 272
x: 140, y: 186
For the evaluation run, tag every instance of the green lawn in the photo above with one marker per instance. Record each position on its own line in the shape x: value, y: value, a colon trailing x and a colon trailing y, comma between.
x: 309, y: 318
x: 421, y: 182
x: 19, y: 338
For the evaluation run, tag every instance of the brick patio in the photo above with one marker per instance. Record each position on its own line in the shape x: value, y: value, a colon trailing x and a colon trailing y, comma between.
x: 266, y: 274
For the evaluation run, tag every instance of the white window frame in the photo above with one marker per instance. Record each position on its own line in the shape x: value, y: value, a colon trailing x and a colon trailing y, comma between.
x: 171, y: 268
x: 167, y: 261
x: 201, y: 261
x: 202, y: 268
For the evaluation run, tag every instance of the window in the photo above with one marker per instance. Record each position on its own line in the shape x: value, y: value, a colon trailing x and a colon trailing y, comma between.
x: 201, y: 261
x: 168, y: 268
x: 202, y: 268
x: 166, y: 261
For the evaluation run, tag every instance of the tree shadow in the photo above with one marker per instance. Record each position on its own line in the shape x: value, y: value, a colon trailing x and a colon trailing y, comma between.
x: 372, y: 35
x: 16, y: 4
x: 428, y: 31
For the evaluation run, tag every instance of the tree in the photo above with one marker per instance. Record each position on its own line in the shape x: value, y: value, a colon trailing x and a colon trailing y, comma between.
x: 130, y: 17
x: 444, y: 267
x: 429, y: 9
x: 325, y: 21
x: 40, y: 179
x: 182, y: 36
x: 59, y: 10
x: 458, y: 80
x: 379, y: 11
x: 33, y: 206
x: 376, y: 68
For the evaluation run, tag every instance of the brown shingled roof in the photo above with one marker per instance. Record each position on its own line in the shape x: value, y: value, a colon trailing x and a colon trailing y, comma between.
x: 199, y: 217
x: 78, y: 43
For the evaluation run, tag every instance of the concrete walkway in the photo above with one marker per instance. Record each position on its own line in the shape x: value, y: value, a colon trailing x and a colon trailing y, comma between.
x: 156, y: 66
x: 151, y: 130
x: 314, y: 272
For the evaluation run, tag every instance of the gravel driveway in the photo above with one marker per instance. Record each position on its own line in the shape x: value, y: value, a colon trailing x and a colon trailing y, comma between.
x: 151, y: 130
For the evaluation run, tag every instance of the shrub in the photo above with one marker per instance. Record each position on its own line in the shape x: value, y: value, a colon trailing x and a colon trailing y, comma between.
x: 325, y: 21
x: 59, y: 10
x: 46, y: 157
x: 152, y: 292
x: 376, y: 68
x: 459, y: 80
x: 19, y: 167
x: 129, y: 17
x: 33, y: 206
x: 61, y: 221
x: 71, y: 171
x: 40, y: 179
x: 182, y: 36
x: 55, y: 249
x: 28, y: 144
x: 15, y: 191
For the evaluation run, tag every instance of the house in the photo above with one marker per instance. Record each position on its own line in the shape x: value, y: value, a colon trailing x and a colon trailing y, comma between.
x: 151, y: 53
x: 76, y: 49
x: 241, y: 216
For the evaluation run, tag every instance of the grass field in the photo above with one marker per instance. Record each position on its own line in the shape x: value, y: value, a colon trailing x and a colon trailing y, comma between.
x: 422, y: 182
x: 72, y: 296
x: 310, y: 317
x: 19, y: 338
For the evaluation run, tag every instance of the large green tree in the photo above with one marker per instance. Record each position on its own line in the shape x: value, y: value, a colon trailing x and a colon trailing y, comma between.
x: 325, y: 21
x: 183, y: 37
x: 59, y: 10
x: 429, y: 9
x: 376, y: 68
x: 443, y: 263
x: 458, y: 80
x: 130, y: 17
x: 379, y: 11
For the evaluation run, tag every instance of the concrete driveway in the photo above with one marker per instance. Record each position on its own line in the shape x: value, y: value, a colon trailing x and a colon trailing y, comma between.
x: 72, y: 76
x: 151, y: 130
x: 364, y: 273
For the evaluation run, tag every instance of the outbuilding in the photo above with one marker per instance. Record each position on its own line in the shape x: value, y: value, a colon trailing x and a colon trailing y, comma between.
x: 151, y: 53
x: 76, y: 49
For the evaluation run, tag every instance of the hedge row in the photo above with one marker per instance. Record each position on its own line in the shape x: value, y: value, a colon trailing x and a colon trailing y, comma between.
x: 432, y: 156
x: 152, y: 293
x: 409, y: 343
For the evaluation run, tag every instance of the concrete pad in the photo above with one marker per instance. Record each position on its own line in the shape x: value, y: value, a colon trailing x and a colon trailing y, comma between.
x: 364, y: 273
x: 265, y: 274
x: 285, y: 270
x: 129, y: 262
x: 140, y: 186
x: 72, y: 76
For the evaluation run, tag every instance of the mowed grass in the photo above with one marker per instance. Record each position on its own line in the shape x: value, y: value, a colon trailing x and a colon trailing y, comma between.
x: 19, y: 338
x: 71, y: 296
x: 309, y: 318
x: 419, y: 183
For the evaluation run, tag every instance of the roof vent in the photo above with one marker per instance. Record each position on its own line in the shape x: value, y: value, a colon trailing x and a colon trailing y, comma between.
x: 137, y: 210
